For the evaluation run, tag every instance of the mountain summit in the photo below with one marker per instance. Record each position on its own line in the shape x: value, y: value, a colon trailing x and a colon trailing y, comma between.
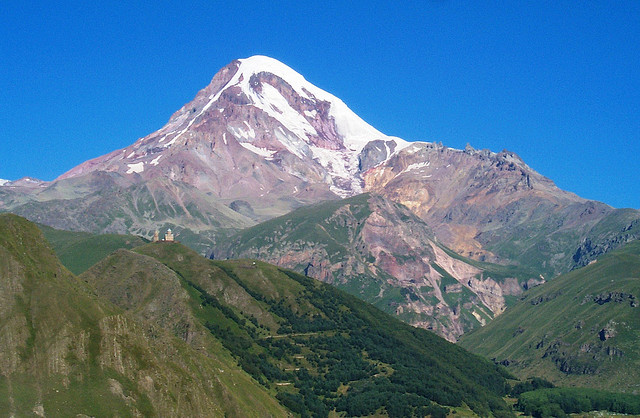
x: 258, y: 129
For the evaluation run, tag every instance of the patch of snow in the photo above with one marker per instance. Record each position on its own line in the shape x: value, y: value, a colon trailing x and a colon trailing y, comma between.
x: 413, y: 148
x: 3, y: 182
x: 224, y: 137
x: 173, y: 140
x: 356, y: 133
x: 312, y: 114
x: 416, y: 166
x: 294, y: 144
x: 332, y: 160
x: 240, y: 133
x: 260, y: 151
x: 155, y: 160
x: 341, y: 164
x: 135, y: 168
x: 130, y: 155
x: 275, y: 105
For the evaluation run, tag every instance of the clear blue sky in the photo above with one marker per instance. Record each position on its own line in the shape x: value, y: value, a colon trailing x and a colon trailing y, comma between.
x: 557, y: 82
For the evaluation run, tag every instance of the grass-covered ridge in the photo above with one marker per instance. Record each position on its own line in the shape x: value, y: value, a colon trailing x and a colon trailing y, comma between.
x: 80, y: 250
x: 65, y: 351
x: 320, y: 350
x: 581, y: 328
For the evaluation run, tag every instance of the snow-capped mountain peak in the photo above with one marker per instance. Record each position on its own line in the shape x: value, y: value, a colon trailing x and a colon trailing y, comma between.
x: 270, y: 111
x: 355, y: 132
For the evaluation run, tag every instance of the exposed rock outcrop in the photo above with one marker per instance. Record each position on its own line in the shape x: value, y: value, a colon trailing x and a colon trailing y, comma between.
x: 382, y: 252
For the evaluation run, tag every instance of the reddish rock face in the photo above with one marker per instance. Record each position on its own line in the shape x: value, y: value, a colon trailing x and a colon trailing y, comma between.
x: 477, y: 200
x: 383, y: 253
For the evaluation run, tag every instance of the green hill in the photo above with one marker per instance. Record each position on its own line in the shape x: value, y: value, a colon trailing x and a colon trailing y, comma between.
x: 80, y: 250
x: 580, y: 329
x: 316, y: 348
x: 66, y: 352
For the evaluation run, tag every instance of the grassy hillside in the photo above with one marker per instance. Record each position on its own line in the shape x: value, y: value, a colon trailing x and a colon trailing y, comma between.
x: 581, y: 328
x: 554, y: 242
x: 613, y: 231
x: 315, y: 347
x: 80, y: 250
x: 66, y: 352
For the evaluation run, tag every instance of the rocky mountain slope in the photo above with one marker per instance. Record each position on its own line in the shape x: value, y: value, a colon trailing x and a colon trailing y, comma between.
x: 580, y: 329
x: 492, y: 206
x: 65, y: 352
x: 382, y: 252
x: 258, y: 130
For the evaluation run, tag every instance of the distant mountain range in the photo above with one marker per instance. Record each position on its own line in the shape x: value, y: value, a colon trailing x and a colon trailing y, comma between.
x: 260, y: 141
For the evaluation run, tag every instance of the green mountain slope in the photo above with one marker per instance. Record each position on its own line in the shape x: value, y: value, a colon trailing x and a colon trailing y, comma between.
x: 566, y: 240
x: 315, y: 347
x: 78, y: 251
x: 581, y: 328
x: 381, y: 252
x: 64, y: 351
x: 613, y: 231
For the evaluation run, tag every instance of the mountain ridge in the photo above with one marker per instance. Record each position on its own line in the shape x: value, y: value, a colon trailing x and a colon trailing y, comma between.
x: 307, y: 121
x: 381, y: 252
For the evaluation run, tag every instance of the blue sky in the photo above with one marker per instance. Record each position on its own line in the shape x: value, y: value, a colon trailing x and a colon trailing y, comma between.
x: 555, y: 81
